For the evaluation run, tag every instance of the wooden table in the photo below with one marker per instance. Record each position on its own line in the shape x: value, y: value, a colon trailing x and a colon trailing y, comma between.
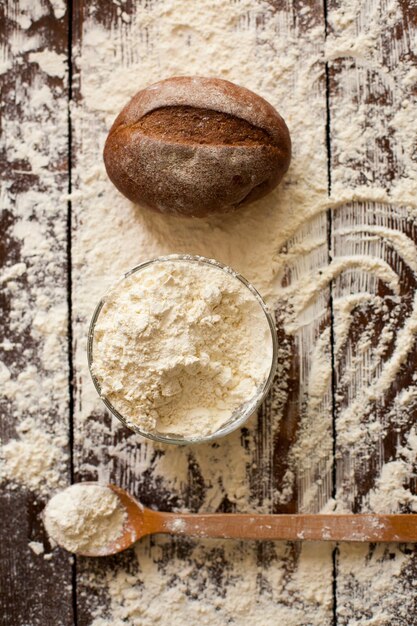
x: 64, y: 591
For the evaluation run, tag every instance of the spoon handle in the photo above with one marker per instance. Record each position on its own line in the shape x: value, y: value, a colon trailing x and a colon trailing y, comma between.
x: 321, y: 527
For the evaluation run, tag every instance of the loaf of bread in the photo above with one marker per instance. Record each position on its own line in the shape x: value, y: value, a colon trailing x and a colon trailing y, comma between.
x: 193, y: 145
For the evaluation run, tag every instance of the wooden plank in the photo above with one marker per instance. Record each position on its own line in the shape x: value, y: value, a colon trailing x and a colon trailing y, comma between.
x: 243, y: 472
x: 371, y: 61
x: 33, y: 333
x: 304, y: 307
x: 375, y: 330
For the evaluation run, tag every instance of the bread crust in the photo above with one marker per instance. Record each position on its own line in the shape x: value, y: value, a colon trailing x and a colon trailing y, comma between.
x: 194, y: 145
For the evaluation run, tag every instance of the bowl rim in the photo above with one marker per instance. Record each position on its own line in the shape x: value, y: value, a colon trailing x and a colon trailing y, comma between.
x: 242, y: 413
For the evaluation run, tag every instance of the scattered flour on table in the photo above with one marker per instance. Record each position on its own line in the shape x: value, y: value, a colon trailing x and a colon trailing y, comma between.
x: 369, y: 356
x: 217, y: 583
x: 33, y: 335
x: 180, y: 346
x: 374, y: 105
x: 85, y: 518
x: 393, y: 490
x: 36, y: 460
x: 50, y: 62
x: 261, y: 51
x: 36, y: 547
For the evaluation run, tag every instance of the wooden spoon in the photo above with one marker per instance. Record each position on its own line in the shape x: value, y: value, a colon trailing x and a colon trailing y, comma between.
x: 142, y: 521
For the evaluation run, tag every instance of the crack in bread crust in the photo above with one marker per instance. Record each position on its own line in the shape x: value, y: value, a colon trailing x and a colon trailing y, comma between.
x: 197, y: 126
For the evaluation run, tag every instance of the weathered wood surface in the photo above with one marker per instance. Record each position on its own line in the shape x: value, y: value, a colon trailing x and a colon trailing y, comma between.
x: 200, y: 477
x: 288, y: 459
x: 369, y: 91
x: 34, y: 264
x: 376, y: 410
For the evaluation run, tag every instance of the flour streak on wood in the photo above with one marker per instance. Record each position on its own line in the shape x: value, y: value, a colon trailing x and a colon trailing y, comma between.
x: 371, y: 142
x: 283, y: 418
x: 33, y: 278
x: 305, y: 314
x: 374, y: 339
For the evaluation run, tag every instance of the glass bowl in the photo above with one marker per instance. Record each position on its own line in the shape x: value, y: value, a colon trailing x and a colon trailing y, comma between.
x: 243, y: 412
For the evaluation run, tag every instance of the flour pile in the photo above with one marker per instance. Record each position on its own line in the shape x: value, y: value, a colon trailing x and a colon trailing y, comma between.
x: 85, y: 518
x: 179, y: 346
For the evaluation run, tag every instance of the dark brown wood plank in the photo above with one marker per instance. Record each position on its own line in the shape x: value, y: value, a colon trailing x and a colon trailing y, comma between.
x: 372, y: 108
x: 244, y: 471
x: 34, y: 374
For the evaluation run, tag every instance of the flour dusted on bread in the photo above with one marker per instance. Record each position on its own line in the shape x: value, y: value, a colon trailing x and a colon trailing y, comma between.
x: 191, y: 146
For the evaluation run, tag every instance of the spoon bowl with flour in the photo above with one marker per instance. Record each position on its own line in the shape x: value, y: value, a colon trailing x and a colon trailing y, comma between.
x: 100, y: 520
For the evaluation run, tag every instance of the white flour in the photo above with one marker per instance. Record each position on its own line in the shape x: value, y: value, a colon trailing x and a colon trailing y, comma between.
x: 85, y: 518
x: 179, y: 346
x: 372, y: 359
x: 264, y: 49
x: 239, y: 596
x: 36, y: 547
x: 36, y: 460
x: 34, y: 372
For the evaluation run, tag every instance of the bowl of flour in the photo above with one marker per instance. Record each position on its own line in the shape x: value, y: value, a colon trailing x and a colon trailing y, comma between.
x: 182, y: 349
